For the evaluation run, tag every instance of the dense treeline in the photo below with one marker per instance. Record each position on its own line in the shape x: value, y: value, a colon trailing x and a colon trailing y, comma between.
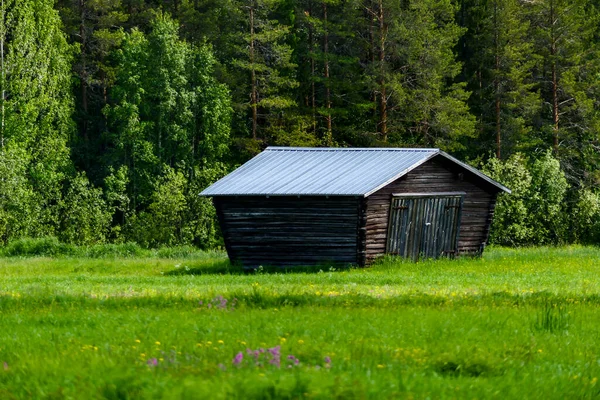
x: 116, y: 113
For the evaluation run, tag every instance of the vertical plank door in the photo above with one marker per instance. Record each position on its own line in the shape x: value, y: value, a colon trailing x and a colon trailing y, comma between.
x: 424, y: 225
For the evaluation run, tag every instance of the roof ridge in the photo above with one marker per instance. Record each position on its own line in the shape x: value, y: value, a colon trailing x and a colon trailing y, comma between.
x: 285, y: 148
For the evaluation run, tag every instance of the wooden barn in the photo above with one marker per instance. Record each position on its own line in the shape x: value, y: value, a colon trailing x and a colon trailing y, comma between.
x: 304, y: 206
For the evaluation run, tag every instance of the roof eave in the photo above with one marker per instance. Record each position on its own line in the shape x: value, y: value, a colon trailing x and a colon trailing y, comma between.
x: 280, y: 194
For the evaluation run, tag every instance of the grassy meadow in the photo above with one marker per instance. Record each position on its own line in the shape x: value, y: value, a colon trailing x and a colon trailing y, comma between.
x: 185, y: 324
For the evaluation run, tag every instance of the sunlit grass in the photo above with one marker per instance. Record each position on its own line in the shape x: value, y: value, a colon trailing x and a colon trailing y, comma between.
x: 514, y: 324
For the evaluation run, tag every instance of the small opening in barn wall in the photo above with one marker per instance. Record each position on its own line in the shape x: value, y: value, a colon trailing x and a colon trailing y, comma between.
x: 424, y: 225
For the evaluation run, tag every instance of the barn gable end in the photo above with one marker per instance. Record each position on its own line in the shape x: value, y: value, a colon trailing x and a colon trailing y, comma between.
x: 435, y: 176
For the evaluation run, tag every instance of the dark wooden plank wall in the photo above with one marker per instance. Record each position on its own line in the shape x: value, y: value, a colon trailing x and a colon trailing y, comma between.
x: 434, y: 176
x: 290, y: 230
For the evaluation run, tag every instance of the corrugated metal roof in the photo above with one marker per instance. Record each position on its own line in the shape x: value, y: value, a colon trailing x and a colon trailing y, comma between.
x: 287, y: 171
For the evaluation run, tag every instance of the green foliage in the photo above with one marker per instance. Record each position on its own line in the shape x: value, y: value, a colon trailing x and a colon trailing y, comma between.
x: 547, y: 210
x: 117, y: 199
x: 586, y: 217
x: 143, y: 98
x: 85, y: 215
x: 535, y: 211
x: 497, y: 53
x: 162, y: 223
x: 52, y: 247
x: 430, y: 109
x: 201, y: 224
x: 35, y: 118
x: 18, y: 206
x: 28, y: 247
x: 264, y: 67
x: 567, y: 59
x: 509, y: 226
x: 170, y: 124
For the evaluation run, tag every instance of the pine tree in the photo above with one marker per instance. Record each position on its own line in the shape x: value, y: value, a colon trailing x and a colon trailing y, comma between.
x: 264, y: 59
x: 566, y: 72
x: 96, y: 27
x: 329, y: 71
x: 497, y: 56
x: 413, y: 72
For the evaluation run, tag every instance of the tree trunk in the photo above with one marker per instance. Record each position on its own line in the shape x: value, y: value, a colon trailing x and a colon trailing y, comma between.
x: 555, y: 110
x: 253, y: 95
x: 83, y: 76
x: 382, y: 89
x: 497, y: 81
x: 327, y: 81
x: 481, y: 102
x: 313, y: 102
x: 369, y: 14
x: 3, y: 75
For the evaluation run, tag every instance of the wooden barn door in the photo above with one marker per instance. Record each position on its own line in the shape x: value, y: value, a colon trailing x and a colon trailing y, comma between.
x: 424, y: 225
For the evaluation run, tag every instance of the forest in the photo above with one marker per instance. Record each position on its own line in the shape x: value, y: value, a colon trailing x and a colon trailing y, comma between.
x: 115, y: 114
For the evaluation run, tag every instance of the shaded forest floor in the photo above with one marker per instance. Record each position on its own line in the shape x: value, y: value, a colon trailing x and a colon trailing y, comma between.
x: 514, y: 324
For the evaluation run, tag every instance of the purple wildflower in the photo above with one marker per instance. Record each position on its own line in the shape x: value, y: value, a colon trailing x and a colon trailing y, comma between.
x: 293, y: 359
x: 327, y: 360
x: 275, y: 356
x: 275, y: 361
x: 274, y: 351
x: 220, y: 302
x: 152, y: 362
x: 238, y: 358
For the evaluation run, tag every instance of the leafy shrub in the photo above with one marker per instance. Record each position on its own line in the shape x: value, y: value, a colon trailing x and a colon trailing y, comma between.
x: 586, y: 217
x: 52, y: 247
x: 535, y: 211
x: 510, y: 226
x: 46, y: 246
x: 85, y: 215
x: 19, y: 208
x: 547, y: 210
x: 162, y: 223
x: 201, y: 219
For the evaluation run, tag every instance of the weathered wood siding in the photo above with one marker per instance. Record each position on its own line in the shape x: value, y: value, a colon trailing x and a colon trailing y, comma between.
x: 433, y: 177
x: 290, y: 230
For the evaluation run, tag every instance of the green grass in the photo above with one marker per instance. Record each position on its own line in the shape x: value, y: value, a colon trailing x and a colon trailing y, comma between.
x: 514, y: 324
